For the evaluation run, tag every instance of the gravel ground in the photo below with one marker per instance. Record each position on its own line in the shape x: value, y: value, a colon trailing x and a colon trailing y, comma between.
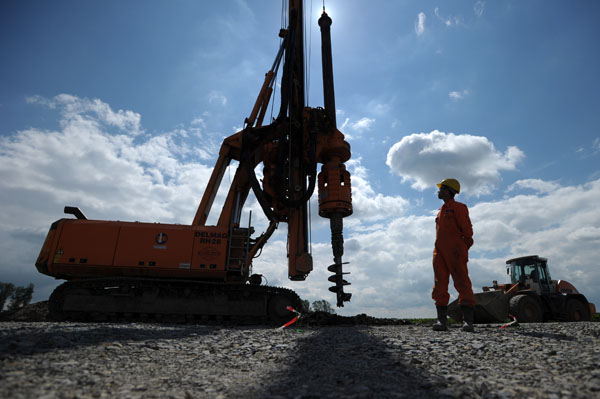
x: 130, y: 360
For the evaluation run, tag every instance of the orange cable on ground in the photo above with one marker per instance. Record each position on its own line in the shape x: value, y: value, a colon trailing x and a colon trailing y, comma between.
x: 511, y: 323
x: 295, y: 319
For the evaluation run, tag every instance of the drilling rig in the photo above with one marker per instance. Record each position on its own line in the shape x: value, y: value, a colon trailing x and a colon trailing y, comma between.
x: 134, y: 270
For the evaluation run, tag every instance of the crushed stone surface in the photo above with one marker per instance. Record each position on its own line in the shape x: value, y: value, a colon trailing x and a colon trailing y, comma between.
x: 135, y: 360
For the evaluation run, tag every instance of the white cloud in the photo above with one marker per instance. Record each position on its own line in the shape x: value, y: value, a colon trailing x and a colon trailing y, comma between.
x: 561, y: 225
x: 458, y: 95
x: 426, y: 158
x: 124, y: 174
x: 37, y: 99
x: 420, y: 24
x: 362, y: 125
x: 78, y: 111
x: 537, y: 185
x: 367, y: 204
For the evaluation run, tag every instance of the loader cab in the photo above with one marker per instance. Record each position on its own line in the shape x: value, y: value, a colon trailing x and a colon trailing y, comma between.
x: 531, y: 272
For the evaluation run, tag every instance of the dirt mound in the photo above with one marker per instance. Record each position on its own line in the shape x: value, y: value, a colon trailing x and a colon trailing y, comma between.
x: 328, y: 319
x: 33, y: 312
x: 39, y: 312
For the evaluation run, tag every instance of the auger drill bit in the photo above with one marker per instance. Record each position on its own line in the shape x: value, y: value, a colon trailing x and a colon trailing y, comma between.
x: 337, y: 243
x: 335, y: 196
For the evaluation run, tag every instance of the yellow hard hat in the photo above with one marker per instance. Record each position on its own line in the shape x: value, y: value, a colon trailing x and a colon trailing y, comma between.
x: 452, y: 183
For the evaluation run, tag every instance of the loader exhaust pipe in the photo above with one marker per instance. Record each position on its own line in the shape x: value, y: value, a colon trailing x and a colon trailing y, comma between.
x: 73, y: 210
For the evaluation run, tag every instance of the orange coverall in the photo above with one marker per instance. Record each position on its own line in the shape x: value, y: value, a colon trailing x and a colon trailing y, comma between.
x: 454, y: 237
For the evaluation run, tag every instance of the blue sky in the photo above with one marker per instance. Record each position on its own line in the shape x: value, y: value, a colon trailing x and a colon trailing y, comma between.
x: 120, y: 107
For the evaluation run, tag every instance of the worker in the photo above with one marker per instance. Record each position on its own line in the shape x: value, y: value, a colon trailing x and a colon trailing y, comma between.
x: 453, y: 238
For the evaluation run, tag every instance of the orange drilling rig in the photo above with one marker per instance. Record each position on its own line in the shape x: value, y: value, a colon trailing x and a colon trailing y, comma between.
x: 133, y: 270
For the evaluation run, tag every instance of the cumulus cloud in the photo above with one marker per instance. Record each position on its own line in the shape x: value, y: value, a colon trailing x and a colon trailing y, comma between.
x: 420, y: 24
x: 543, y: 212
x: 126, y: 173
x: 85, y: 163
x: 424, y: 159
x: 354, y: 130
x: 362, y: 124
x: 99, y: 160
x: 561, y: 224
x: 368, y: 205
x: 76, y: 110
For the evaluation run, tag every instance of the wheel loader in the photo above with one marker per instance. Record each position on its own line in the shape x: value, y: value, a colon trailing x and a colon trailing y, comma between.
x: 530, y: 297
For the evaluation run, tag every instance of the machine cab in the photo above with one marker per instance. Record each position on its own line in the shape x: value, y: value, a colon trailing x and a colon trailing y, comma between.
x: 531, y: 272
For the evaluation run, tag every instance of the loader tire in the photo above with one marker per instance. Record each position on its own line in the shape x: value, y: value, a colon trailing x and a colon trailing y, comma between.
x: 576, y: 311
x: 526, y: 309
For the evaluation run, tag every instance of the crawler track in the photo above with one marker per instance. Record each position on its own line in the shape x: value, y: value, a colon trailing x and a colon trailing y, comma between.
x: 141, y: 299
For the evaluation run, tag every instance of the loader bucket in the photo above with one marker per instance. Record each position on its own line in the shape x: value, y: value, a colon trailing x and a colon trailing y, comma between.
x: 491, y: 307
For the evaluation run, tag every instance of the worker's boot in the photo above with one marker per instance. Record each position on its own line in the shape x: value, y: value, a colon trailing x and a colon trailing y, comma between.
x: 467, y: 312
x: 442, y: 315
